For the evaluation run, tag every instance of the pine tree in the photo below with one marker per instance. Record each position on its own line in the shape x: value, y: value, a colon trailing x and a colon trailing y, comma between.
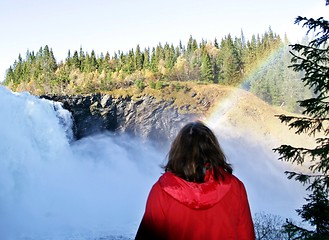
x: 130, y: 63
x: 251, y: 55
x: 10, y: 78
x: 313, y: 59
x: 18, y: 69
x: 106, y: 63
x: 316, y: 211
x: 169, y: 55
x: 207, y: 73
x: 243, y: 39
x: 93, y: 61
x: 181, y: 48
x: 154, y: 61
x: 239, y: 53
x: 75, y: 60
x: 138, y: 58
x: 230, y: 60
x: 159, y: 53
x: 189, y: 49
x: 87, y: 63
x: 216, y: 43
x: 52, y: 61
x: 146, y: 58
x: 82, y: 59
x: 68, y: 59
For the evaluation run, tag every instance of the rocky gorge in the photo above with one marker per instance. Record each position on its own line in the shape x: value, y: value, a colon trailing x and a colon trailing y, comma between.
x: 146, y: 116
x: 158, y: 119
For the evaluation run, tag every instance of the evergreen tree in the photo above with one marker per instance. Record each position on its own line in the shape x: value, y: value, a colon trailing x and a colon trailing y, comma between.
x: 68, y: 59
x: 313, y: 59
x: 159, y: 53
x: 230, y: 61
x: 207, y: 74
x: 216, y: 43
x: 316, y: 211
x: 93, y: 61
x: 18, y: 69
x: 239, y: 56
x: 243, y: 40
x: 154, y: 61
x: 82, y: 59
x: 52, y: 61
x: 146, y: 58
x: 63, y: 76
x: 113, y: 63
x: 181, y: 48
x: 192, y: 45
x: 189, y: 49
x: 224, y: 64
x: 130, y: 63
x: 122, y: 60
x: 87, y: 64
x: 100, y: 62
x: 40, y: 53
x: 170, y: 56
x: 251, y: 56
x: 10, y: 77
x: 106, y: 63
x: 75, y: 60
x: 138, y: 58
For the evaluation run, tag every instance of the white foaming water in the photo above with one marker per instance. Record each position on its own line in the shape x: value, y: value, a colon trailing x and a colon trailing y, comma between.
x: 51, y: 189
x: 262, y: 173
x: 96, y: 188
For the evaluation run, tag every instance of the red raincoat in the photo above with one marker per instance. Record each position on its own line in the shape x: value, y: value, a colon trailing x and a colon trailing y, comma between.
x: 178, y: 209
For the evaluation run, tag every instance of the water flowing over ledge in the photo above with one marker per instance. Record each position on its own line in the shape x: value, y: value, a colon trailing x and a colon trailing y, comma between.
x: 95, y: 187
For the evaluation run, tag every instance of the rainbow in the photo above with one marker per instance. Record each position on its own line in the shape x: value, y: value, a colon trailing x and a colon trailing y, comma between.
x: 221, y: 107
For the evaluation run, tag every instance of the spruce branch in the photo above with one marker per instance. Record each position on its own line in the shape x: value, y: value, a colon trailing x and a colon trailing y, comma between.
x: 319, y: 26
x: 303, y: 124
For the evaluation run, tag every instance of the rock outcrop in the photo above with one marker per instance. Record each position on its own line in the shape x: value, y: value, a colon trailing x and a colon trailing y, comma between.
x: 145, y: 117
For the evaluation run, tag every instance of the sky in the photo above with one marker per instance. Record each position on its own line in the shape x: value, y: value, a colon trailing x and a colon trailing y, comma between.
x: 110, y: 25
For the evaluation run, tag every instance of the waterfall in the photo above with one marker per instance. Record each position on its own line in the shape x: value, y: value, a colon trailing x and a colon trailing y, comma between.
x: 53, y: 187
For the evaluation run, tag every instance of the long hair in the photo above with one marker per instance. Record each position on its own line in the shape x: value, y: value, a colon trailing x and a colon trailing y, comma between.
x: 194, y: 151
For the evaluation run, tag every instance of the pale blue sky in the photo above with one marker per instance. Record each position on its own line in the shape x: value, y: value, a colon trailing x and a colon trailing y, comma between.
x: 120, y: 25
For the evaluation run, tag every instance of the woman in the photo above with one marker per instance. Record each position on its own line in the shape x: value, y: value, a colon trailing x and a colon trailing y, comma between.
x: 197, y: 197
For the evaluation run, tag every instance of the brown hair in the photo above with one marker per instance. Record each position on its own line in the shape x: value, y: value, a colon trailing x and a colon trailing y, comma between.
x: 195, y: 150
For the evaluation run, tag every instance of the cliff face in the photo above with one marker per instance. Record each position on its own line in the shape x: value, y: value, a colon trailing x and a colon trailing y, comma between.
x: 145, y: 117
x: 236, y: 111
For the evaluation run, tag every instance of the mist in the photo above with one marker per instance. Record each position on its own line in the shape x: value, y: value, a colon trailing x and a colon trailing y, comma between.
x: 52, y: 187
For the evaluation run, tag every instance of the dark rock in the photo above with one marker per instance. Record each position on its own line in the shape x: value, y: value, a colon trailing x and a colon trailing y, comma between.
x: 145, y: 117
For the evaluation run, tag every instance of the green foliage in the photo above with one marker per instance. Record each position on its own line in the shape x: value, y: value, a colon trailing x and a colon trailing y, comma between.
x: 277, y: 84
x: 152, y: 84
x: 316, y: 212
x: 313, y: 60
x: 159, y: 85
x: 140, y: 84
x: 227, y: 62
x: 230, y: 62
x: 139, y: 59
x: 207, y: 71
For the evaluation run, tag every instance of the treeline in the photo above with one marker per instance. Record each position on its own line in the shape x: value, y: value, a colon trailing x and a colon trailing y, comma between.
x: 229, y: 62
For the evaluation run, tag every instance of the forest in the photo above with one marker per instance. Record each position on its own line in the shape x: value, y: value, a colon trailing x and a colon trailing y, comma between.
x: 259, y: 65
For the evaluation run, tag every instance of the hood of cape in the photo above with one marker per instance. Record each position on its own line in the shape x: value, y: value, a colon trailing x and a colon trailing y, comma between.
x: 196, y: 195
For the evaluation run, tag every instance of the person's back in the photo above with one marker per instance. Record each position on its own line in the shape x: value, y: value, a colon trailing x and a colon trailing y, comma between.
x: 214, y: 207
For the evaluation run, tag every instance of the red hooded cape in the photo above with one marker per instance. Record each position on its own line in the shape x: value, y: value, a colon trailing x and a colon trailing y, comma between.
x: 178, y: 209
